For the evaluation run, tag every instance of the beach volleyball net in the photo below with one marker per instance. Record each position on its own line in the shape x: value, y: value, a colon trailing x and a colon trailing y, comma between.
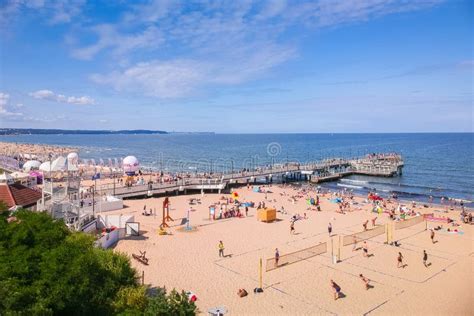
x: 409, y: 222
x: 364, y: 235
x: 296, y: 256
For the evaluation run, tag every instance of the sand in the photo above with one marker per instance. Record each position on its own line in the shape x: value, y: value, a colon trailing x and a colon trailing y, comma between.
x: 37, y: 150
x: 190, y: 261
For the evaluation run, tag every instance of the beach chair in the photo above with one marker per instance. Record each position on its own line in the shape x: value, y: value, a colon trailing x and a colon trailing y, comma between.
x: 140, y: 259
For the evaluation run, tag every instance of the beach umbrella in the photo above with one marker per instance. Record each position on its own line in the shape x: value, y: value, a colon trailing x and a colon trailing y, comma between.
x: 45, y: 166
x: 31, y: 165
x: 72, y: 158
x: 58, y: 164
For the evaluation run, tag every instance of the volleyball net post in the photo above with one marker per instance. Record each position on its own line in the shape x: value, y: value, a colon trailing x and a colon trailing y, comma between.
x: 388, y: 233
x: 339, y: 249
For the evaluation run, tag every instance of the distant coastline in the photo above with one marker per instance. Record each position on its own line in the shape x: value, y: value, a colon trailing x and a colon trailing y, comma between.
x: 37, y: 131
x: 33, y: 131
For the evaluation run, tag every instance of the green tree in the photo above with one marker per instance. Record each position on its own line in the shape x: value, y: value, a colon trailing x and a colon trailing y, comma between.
x: 173, y: 304
x: 45, y: 269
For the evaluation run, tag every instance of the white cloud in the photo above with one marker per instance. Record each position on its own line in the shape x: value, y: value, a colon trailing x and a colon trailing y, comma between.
x: 215, y: 43
x: 157, y: 78
x: 54, y: 12
x: 51, y: 96
x: 4, y: 103
x: 4, y: 97
x: 44, y: 94
x: 109, y: 37
x: 180, y: 78
x: 84, y: 100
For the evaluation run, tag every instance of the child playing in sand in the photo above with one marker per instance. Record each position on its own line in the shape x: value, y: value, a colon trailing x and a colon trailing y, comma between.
x: 400, y: 260
x: 329, y: 229
x: 336, y: 288
x: 365, y: 280
x: 365, y: 225
x: 277, y: 257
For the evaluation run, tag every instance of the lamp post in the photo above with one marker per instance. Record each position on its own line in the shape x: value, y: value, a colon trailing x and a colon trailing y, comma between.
x: 93, y: 201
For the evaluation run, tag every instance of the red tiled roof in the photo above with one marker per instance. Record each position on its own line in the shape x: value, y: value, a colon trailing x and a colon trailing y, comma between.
x: 6, y: 196
x: 18, y: 194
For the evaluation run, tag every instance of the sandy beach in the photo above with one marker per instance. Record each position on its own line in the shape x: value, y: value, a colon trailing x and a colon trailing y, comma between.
x: 190, y: 260
x: 34, y: 151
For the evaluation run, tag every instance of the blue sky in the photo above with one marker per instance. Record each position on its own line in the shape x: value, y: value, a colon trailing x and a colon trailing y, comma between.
x: 238, y: 66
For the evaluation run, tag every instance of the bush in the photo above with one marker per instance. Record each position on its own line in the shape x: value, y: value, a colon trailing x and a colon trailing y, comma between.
x: 45, y: 269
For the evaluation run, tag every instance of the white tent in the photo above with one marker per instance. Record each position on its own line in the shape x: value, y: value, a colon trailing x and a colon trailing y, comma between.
x: 31, y: 164
x: 45, y: 166
x: 58, y: 164
x: 72, y: 158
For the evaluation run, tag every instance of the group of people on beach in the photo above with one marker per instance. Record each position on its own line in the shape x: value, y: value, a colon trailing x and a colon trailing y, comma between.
x: 338, y: 290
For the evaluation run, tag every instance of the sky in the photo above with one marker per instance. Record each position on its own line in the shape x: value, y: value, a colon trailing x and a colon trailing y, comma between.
x: 238, y: 66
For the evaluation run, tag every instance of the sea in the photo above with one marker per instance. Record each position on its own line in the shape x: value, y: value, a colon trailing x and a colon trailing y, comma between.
x: 437, y: 165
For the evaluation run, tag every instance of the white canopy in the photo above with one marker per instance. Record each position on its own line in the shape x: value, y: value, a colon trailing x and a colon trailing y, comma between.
x: 72, y: 158
x: 31, y: 164
x: 58, y: 164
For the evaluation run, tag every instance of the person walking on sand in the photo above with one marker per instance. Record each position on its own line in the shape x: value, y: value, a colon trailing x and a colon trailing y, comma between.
x: 365, y: 248
x: 277, y: 257
x: 221, y: 249
x: 336, y: 288
x: 400, y: 260
x: 432, y: 235
x: 373, y: 221
x: 292, y: 227
x: 365, y: 225
x: 425, y: 258
x: 365, y: 280
x: 329, y: 229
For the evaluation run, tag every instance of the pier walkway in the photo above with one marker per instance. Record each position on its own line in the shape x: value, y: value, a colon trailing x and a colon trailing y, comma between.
x: 327, y: 170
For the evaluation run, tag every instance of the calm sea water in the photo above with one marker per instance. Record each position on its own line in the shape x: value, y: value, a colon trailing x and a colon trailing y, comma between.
x: 435, y: 164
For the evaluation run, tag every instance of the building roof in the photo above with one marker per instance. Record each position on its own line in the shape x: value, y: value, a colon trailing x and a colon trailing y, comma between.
x: 18, y: 195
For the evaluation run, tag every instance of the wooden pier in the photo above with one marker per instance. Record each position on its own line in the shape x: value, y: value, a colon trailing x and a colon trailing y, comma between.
x: 380, y: 165
x: 327, y: 170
